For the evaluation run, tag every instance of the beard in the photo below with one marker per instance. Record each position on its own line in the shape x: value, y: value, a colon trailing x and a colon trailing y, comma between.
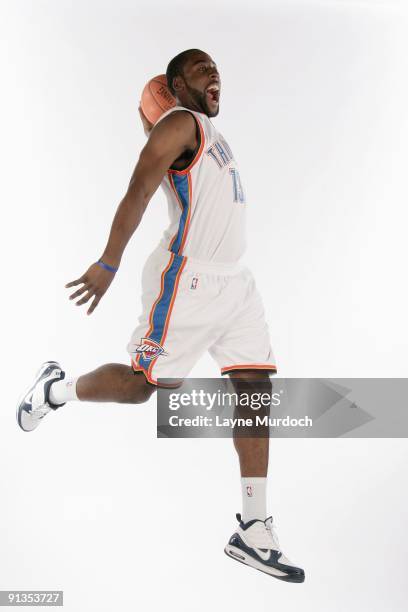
x: 200, y: 99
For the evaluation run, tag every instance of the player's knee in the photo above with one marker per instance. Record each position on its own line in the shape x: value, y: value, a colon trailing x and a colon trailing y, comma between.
x: 254, y: 390
x: 251, y: 382
x: 138, y: 390
x: 143, y: 392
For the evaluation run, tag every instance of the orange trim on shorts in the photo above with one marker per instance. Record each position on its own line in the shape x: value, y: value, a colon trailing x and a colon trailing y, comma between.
x: 136, y: 368
x: 250, y: 366
x: 154, y: 382
x: 166, y: 324
x: 156, y: 301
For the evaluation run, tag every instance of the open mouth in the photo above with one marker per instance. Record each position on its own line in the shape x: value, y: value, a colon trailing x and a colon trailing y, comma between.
x: 213, y: 93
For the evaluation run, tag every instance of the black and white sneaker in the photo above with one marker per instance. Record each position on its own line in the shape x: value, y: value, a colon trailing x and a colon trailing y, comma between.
x: 35, y: 403
x: 255, y: 543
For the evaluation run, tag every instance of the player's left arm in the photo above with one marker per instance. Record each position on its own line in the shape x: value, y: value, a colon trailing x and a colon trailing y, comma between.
x: 167, y: 141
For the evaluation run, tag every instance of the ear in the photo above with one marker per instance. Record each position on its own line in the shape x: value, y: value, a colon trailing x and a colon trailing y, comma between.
x: 178, y: 84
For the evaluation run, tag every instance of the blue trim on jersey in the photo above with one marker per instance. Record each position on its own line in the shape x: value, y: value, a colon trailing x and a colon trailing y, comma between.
x: 180, y: 182
x: 162, y: 307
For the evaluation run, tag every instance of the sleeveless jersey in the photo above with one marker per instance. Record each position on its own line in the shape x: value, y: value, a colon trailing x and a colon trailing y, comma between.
x: 206, y: 201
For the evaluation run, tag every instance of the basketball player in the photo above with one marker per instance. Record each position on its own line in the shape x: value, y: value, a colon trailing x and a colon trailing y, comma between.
x: 196, y: 295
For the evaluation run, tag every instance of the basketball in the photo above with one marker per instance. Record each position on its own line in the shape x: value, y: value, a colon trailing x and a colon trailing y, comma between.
x: 156, y: 98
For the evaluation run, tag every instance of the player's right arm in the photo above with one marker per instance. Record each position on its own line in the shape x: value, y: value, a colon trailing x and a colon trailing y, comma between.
x: 167, y: 141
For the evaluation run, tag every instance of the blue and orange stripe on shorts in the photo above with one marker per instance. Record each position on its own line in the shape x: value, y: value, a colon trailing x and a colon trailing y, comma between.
x: 161, y: 311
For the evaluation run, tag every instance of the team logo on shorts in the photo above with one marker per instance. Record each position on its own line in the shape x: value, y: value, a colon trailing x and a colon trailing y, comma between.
x: 149, y: 349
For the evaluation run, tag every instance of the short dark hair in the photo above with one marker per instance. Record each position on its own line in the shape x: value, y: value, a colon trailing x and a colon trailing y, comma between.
x: 176, y: 65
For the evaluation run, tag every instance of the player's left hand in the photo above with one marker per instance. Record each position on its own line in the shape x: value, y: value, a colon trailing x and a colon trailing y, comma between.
x: 95, y: 283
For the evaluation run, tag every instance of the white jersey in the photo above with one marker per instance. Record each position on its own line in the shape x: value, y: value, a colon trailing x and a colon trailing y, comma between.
x: 206, y: 201
x: 195, y: 295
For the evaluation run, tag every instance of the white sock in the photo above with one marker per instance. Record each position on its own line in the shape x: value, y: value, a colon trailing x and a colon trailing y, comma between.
x: 63, y: 391
x: 253, y: 498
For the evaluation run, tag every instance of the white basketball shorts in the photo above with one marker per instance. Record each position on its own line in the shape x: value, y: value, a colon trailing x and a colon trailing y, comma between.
x: 189, y: 307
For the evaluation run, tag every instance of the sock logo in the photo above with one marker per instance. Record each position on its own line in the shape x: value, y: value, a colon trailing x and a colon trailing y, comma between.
x: 250, y: 491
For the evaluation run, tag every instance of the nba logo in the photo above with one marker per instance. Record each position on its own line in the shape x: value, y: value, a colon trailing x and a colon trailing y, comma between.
x: 194, y: 283
x: 249, y: 491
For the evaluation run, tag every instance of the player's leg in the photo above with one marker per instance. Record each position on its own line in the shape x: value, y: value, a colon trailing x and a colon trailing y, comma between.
x: 161, y: 346
x: 252, y: 443
x: 244, y: 352
x: 51, y: 389
x: 112, y: 382
x: 255, y: 542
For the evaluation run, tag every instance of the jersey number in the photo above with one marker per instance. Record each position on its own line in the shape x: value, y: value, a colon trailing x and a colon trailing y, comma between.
x: 238, y: 192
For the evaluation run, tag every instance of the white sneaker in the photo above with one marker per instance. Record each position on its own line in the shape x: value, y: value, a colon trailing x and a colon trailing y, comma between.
x: 255, y: 543
x: 35, y: 403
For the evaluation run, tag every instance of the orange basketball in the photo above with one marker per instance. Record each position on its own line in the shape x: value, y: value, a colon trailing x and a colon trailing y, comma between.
x: 156, y: 98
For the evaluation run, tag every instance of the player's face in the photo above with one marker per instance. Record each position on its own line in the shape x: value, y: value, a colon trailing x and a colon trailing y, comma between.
x: 202, y: 84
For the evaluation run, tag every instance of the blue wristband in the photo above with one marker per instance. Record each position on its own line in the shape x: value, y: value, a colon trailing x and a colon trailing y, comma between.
x: 107, y: 266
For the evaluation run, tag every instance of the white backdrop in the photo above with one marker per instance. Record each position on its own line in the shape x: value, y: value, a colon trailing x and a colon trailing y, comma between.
x: 314, y: 107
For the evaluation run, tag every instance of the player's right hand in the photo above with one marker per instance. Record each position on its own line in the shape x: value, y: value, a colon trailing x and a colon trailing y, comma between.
x: 95, y: 283
x: 147, y: 126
